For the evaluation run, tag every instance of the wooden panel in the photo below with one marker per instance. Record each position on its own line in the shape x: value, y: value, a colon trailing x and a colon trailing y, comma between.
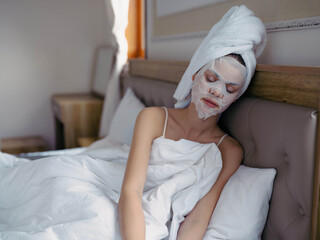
x: 23, y: 144
x: 288, y: 69
x: 86, y: 141
x: 290, y: 87
x: 290, y: 84
x: 161, y: 70
x: 315, y: 226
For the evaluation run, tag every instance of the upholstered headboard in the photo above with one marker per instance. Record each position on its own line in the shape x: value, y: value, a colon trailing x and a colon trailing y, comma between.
x: 276, y: 123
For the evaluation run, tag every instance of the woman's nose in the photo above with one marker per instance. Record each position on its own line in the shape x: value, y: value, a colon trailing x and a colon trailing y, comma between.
x: 216, y: 92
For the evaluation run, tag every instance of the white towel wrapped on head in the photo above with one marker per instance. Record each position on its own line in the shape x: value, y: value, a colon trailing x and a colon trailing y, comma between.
x: 240, y: 32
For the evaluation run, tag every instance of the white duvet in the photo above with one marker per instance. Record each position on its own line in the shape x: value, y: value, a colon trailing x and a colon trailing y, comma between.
x: 75, y: 196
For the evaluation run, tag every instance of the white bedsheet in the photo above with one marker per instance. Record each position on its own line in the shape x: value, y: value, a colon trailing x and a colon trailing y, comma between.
x: 75, y: 196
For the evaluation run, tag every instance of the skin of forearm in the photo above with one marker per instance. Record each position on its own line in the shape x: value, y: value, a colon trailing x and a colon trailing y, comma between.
x: 191, y: 230
x: 131, y: 217
x: 196, y: 222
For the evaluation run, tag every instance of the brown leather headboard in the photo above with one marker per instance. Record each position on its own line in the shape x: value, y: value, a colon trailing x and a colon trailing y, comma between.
x: 281, y: 136
x: 274, y: 134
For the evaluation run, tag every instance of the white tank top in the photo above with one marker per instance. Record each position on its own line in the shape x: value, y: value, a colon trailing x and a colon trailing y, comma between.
x: 165, y: 128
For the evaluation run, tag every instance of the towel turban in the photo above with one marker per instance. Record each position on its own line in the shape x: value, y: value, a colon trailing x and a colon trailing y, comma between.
x: 238, y: 31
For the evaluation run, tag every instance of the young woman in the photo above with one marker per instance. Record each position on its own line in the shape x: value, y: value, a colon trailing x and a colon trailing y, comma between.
x: 215, y: 87
x: 219, y: 72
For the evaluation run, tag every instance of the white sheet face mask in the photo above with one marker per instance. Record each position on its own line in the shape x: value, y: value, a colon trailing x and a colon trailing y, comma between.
x: 216, y: 86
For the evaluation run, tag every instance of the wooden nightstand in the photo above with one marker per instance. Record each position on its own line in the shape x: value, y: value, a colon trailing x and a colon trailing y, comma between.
x: 76, y: 116
x: 23, y: 144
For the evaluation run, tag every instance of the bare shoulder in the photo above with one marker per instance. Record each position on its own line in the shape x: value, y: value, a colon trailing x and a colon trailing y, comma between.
x: 231, y: 150
x: 152, y: 111
x: 156, y: 114
x: 151, y: 119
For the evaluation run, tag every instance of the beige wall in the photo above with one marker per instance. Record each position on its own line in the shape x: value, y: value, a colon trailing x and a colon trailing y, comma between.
x: 46, y: 47
x: 175, y: 37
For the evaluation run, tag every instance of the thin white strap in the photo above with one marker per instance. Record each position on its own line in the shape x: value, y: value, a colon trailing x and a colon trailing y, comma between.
x: 222, y: 139
x: 165, y: 123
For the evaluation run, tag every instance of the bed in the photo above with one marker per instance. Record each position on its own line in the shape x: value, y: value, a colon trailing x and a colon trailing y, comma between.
x: 276, y: 122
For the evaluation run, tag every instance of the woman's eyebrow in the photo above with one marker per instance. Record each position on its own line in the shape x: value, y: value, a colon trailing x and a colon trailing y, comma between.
x: 232, y: 83
x: 217, y: 75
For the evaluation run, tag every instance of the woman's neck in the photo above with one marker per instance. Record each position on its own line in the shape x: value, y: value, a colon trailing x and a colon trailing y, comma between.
x: 194, y: 126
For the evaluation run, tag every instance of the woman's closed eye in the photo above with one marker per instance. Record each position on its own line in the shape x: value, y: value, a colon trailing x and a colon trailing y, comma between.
x: 210, y: 76
x: 231, y: 88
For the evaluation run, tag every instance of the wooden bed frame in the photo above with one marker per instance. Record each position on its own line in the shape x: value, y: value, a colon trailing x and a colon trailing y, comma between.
x: 288, y: 84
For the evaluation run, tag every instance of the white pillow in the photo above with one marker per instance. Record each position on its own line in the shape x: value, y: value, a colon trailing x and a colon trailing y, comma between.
x: 122, y: 124
x: 242, y: 208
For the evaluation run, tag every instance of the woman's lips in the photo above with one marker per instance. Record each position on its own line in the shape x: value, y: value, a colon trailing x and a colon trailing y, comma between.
x: 210, y: 103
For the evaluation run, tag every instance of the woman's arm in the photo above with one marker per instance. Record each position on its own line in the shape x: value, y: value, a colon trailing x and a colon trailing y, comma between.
x: 196, y: 222
x: 131, y: 217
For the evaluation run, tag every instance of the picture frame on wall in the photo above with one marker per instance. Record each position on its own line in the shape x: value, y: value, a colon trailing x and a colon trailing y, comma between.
x: 275, y: 14
x: 170, y: 7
